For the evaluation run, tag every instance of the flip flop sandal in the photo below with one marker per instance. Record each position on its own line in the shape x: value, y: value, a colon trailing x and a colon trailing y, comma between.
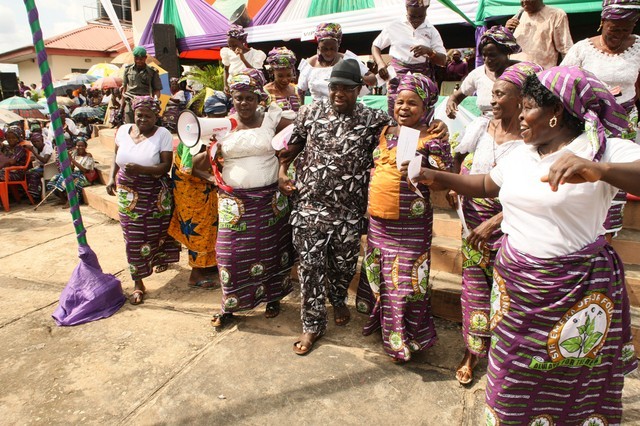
x: 205, y: 284
x: 463, y: 371
x: 160, y: 268
x: 219, y: 321
x: 272, y: 310
x: 309, y: 344
x: 137, y: 297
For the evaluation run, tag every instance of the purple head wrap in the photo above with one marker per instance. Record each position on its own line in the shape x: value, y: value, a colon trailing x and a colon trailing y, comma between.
x: 587, y: 98
x: 502, y: 36
x: 517, y: 73
x: 425, y: 88
x: 237, y: 32
x: 16, y: 130
x: 249, y: 80
x: 36, y: 136
x: 146, y: 102
x: 281, y: 57
x: 328, y: 31
x: 417, y: 3
x: 617, y: 10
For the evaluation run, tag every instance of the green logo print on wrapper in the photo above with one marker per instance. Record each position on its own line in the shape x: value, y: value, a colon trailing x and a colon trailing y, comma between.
x: 230, y: 211
x: 165, y: 200
x: 127, y: 200
x: 372, y: 268
x: 417, y: 208
x: 542, y: 420
x: 576, y: 339
x: 420, y: 278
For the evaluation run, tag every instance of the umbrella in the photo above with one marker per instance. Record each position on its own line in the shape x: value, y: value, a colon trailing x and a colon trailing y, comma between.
x: 80, y: 79
x: 71, y: 75
x: 87, y: 112
x: 8, y: 117
x: 107, y: 83
x: 90, y: 294
x: 102, y: 70
x: 127, y: 58
x: 60, y: 87
x: 64, y: 101
x: 24, y: 107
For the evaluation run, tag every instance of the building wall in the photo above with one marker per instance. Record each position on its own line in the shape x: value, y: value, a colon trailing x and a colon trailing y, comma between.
x: 141, y: 17
x: 60, y: 66
x: 29, y: 72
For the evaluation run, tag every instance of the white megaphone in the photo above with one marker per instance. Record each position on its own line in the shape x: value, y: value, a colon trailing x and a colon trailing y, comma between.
x: 195, y: 131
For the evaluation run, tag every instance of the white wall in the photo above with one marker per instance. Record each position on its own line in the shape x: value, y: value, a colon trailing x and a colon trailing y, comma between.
x: 141, y: 17
x: 60, y: 66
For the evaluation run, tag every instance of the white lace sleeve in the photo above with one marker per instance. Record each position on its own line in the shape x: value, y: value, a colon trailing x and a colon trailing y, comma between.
x: 303, y: 78
x: 472, y: 135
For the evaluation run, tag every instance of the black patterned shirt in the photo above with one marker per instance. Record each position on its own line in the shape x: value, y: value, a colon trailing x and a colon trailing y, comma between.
x: 332, y: 172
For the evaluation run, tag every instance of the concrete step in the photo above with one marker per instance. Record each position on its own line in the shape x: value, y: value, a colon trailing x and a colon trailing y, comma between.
x: 107, y: 138
x: 446, y: 255
x: 635, y: 328
x: 446, y: 223
x: 627, y: 244
x: 97, y: 198
x: 445, y: 295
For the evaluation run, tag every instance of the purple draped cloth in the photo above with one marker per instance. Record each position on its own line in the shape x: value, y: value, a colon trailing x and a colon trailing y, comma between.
x: 561, y: 338
x: 90, y: 294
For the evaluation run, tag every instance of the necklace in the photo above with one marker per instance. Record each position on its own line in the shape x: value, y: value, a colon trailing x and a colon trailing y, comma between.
x: 494, y: 146
x: 543, y: 155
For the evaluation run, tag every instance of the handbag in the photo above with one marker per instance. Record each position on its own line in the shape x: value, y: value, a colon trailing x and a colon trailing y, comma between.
x: 92, y: 175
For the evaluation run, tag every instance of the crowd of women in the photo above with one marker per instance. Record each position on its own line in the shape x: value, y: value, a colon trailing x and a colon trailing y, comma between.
x: 543, y: 292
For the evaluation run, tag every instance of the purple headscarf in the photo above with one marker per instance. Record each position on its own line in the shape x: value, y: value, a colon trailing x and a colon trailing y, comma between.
x: 249, y: 80
x: 617, y: 10
x: 16, y: 130
x: 517, y: 73
x: 425, y: 88
x: 502, y: 36
x: 417, y: 3
x: 328, y: 31
x: 146, y: 102
x: 281, y: 58
x: 237, y: 32
x: 587, y: 98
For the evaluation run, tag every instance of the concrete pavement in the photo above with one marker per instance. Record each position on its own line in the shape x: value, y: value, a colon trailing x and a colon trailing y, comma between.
x: 162, y: 363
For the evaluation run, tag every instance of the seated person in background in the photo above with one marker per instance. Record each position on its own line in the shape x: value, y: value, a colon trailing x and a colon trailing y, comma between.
x: 542, y: 32
x: 216, y: 105
x: 13, y: 153
x: 69, y: 130
x: 41, y: 154
x: 82, y: 170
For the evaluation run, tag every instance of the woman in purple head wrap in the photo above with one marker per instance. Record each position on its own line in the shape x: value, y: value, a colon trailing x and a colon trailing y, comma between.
x: 396, y: 291
x: 560, y: 322
x: 139, y: 178
x: 253, y: 246
x: 238, y: 55
x: 14, y: 153
x: 282, y: 89
x: 486, y: 143
x: 316, y: 70
x: 496, y: 44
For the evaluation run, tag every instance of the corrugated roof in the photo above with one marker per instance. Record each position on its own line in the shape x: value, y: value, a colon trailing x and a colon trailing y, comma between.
x: 91, y: 37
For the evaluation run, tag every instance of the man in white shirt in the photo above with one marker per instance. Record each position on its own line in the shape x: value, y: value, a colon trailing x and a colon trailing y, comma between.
x: 414, y: 44
x: 542, y: 32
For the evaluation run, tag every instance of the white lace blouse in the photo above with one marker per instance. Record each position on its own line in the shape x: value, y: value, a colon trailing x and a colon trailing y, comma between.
x: 614, y: 70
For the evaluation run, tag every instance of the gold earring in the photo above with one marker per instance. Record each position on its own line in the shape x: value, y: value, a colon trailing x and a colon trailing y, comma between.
x: 553, y: 121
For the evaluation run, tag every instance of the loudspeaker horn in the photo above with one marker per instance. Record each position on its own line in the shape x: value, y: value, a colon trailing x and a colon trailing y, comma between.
x: 193, y: 130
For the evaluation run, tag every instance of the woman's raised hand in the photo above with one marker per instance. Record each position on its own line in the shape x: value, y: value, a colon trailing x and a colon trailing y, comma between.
x: 570, y: 168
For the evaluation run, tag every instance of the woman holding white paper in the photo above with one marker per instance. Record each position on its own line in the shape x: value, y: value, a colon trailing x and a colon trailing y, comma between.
x: 397, y: 259
x: 487, y: 143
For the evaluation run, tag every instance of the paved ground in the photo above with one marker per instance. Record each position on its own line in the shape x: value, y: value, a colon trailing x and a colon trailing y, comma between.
x: 162, y: 363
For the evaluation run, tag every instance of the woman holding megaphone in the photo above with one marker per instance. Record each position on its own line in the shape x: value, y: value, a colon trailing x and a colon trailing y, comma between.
x: 253, y: 247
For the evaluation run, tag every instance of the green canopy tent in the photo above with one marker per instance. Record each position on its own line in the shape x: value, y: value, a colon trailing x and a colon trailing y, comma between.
x: 497, y: 8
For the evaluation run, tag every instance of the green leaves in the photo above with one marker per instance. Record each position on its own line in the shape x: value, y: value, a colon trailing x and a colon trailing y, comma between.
x: 572, y: 344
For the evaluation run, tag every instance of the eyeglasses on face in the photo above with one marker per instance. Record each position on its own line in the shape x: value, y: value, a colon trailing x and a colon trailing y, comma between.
x: 342, y: 88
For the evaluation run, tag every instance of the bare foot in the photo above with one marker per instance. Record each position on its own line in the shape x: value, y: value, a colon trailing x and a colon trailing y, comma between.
x: 306, y: 342
x: 341, y: 315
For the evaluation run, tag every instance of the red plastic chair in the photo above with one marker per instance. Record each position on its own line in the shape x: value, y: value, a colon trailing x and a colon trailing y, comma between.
x: 4, y: 186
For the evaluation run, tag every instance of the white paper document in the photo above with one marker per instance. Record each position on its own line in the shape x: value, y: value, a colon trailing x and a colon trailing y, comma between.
x: 465, y: 229
x: 414, y: 171
x: 392, y: 74
x: 407, y: 145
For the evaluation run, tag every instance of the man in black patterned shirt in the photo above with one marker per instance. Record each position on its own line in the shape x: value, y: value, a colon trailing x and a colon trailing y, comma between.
x: 335, y: 139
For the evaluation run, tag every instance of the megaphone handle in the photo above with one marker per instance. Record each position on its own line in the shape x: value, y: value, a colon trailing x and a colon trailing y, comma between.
x: 216, y: 171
